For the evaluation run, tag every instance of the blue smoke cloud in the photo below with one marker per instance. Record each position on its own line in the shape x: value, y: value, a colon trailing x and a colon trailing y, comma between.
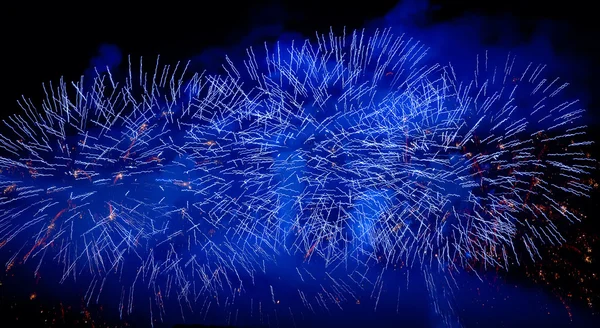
x: 455, y: 40
x: 109, y: 57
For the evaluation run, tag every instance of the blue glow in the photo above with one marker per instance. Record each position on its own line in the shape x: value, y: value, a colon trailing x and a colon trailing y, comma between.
x: 310, y: 170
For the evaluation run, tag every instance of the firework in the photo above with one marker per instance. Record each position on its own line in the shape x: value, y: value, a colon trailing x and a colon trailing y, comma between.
x: 332, y: 155
x: 88, y: 181
x: 384, y: 156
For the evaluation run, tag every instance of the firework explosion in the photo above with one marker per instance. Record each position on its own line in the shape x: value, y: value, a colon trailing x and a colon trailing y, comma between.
x: 345, y: 153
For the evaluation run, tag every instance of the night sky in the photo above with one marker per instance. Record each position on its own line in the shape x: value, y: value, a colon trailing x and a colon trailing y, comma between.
x: 46, y: 42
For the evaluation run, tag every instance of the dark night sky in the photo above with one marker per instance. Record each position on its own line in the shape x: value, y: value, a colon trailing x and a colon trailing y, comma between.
x: 44, y: 42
